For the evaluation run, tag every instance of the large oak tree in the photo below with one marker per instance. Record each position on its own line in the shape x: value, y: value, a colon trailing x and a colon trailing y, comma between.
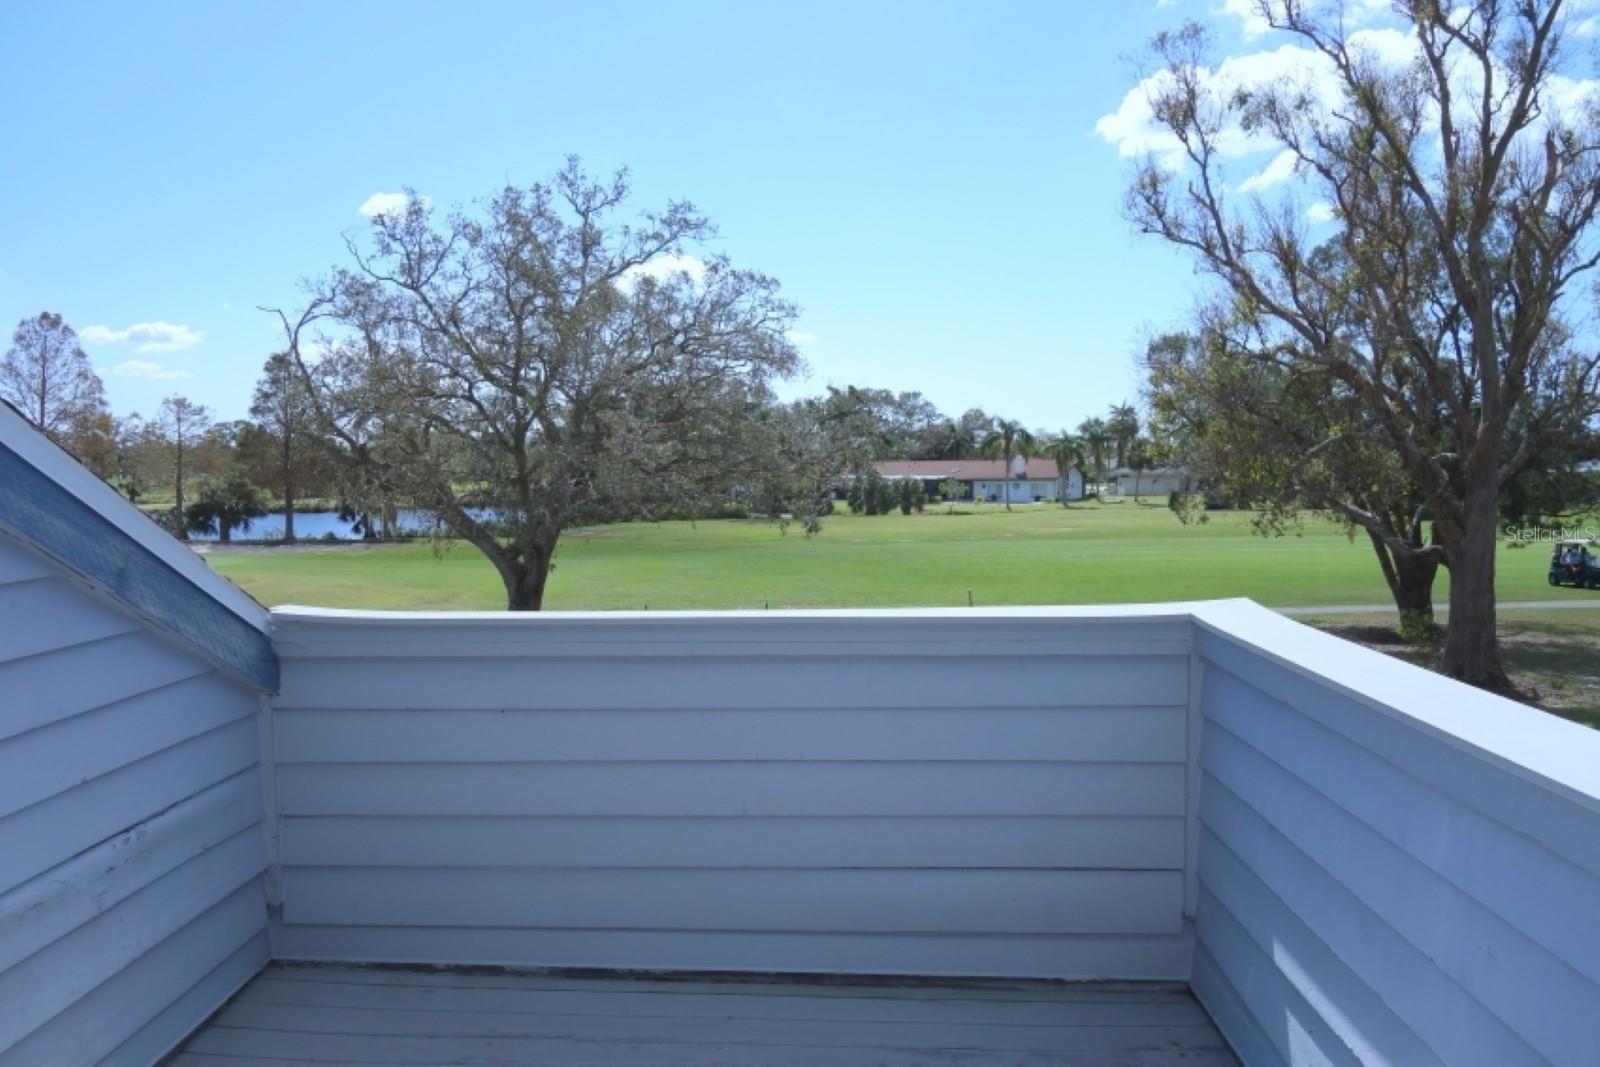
x: 1279, y: 440
x: 1464, y: 184
x: 546, y: 359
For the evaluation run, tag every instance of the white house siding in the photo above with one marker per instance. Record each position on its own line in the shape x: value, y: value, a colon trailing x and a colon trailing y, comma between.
x: 1379, y: 885
x: 131, y: 846
x: 1158, y: 483
x: 1023, y: 491
x: 918, y: 793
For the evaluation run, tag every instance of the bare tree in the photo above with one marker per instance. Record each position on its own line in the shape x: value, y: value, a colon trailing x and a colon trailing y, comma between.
x: 183, y: 426
x: 544, y: 362
x: 46, y: 375
x: 1465, y: 200
x: 141, y: 457
x: 283, y: 412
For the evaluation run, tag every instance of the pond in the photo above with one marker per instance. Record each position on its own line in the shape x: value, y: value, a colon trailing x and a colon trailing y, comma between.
x: 317, y: 525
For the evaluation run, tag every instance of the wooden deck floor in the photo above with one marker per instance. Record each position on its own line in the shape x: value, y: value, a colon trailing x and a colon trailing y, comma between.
x: 319, y: 1014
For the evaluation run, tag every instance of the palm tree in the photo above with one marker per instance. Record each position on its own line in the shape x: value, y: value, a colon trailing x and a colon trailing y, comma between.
x: 1067, y: 450
x: 1140, y: 458
x: 1007, y: 440
x: 1098, y: 439
x: 1123, y: 425
x: 951, y: 440
x: 223, y: 507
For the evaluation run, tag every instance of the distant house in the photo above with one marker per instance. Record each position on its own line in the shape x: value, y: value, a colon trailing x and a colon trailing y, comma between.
x: 1152, y: 481
x: 985, y: 479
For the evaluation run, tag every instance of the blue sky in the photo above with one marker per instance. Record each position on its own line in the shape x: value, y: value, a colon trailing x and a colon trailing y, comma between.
x: 925, y: 179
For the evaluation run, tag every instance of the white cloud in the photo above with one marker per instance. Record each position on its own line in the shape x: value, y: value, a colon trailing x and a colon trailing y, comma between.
x: 139, y: 368
x: 1250, y: 20
x: 1133, y: 129
x: 1253, y: 25
x: 1320, y: 212
x: 1567, y: 97
x: 145, y: 336
x: 1587, y: 27
x: 387, y: 203
x: 1392, y: 46
x: 1281, y: 169
x: 801, y: 337
x: 663, y: 268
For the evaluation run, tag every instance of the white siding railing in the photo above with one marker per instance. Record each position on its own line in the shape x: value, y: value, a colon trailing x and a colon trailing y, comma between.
x: 1393, y: 868
x: 1350, y: 859
x: 1353, y: 860
x: 977, y: 793
x: 131, y: 844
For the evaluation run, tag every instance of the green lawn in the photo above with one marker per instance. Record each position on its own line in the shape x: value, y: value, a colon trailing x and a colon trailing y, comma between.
x: 1089, y: 553
x: 1553, y: 657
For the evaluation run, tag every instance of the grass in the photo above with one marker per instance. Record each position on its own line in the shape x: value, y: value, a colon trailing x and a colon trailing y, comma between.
x: 1039, y: 554
x: 1087, y: 554
x: 1553, y: 657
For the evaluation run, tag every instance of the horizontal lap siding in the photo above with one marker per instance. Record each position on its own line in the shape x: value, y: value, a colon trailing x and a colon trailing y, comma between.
x: 683, y: 787
x: 758, y: 806
x: 131, y: 847
x: 800, y: 842
x: 1375, y: 894
x: 742, y: 682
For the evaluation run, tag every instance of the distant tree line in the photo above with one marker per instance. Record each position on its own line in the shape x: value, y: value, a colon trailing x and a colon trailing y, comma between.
x: 546, y: 358
x: 319, y: 431
x: 219, y: 476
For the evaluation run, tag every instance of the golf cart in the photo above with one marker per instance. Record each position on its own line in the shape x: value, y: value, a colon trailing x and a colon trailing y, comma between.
x: 1575, y: 563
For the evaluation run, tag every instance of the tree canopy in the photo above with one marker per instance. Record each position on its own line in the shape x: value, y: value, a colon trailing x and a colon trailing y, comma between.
x: 1463, y: 185
x: 46, y: 375
x: 544, y: 360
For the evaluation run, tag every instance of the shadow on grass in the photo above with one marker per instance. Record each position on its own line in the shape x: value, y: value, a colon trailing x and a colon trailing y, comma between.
x: 1554, y: 663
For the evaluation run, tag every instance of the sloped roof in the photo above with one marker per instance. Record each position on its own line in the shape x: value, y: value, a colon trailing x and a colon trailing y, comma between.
x: 963, y: 470
x: 56, y: 506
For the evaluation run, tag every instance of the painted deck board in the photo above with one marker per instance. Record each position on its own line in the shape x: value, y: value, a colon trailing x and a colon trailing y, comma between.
x: 315, y: 1014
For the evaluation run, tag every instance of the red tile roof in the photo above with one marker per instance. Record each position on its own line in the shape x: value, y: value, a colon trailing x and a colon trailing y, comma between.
x: 963, y: 470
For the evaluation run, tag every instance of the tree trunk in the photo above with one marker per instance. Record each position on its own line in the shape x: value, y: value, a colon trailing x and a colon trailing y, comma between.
x: 225, y: 531
x: 1472, y: 646
x: 1410, y: 578
x: 525, y: 576
x: 183, y: 527
x: 1005, y: 486
x: 525, y: 587
x: 288, y: 493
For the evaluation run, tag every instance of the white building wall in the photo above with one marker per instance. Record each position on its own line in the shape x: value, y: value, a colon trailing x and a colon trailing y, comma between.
x: 916, y: 793
x: 1073, y: 484
x: 131, y: 843
x: 1020, y: 491
x: 1150, y: 483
